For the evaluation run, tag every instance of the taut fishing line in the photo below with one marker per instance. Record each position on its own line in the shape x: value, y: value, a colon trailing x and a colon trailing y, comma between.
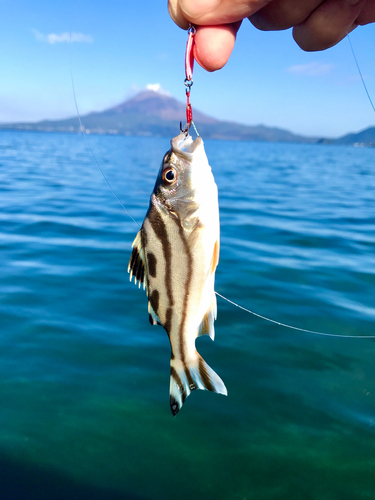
x: 82, y: 129
x: 295, y: 327
x: 360, y: 72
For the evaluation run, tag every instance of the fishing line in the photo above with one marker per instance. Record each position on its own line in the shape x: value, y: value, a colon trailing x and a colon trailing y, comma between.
x: 360, y: 72
x: 82, y: 129
x: 295, y: 327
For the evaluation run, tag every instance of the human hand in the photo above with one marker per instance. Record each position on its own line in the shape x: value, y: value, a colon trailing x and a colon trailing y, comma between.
x: 317, y: 24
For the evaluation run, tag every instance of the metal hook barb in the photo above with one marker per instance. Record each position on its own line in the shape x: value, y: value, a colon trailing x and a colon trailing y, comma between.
x: 185, y: 129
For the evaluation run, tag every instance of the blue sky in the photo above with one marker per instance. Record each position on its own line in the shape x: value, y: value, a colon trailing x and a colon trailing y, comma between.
x: 120, y: 47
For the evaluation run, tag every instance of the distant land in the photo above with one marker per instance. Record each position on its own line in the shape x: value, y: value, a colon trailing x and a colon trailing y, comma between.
x: 152, y: 113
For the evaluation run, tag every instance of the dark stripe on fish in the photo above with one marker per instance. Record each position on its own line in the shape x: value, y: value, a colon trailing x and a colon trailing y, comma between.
x: 151, y: 264
x: 159, y: 228
x: 189, y: 379
x: 186, y: 297
x: 154, y: 301
x: 168, y: 320
x: 177, y: 379
x: 204, y: 375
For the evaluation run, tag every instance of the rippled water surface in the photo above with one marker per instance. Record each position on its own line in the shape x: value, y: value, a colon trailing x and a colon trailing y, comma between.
x: 84, y: 378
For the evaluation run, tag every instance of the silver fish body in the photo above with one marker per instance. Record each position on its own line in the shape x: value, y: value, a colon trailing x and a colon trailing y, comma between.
x: 175, y: 255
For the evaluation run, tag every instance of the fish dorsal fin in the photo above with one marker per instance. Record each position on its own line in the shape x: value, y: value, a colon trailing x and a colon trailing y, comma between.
x: 207, y: 325
x: 136, y: 265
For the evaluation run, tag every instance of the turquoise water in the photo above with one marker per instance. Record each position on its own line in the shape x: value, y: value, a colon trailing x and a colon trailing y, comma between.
x: 84, y: 378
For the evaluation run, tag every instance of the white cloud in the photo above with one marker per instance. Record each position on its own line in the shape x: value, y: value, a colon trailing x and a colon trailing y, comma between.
x: 153, y: 86
x: 53, y: 38
x: 156, y: 87
x: 310, y: 69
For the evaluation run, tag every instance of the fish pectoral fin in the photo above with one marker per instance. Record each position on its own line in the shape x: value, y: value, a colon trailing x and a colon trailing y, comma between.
x: 152, y: 316
x: 136, y: 265
x: 187, y: 376
x: 207, y: 325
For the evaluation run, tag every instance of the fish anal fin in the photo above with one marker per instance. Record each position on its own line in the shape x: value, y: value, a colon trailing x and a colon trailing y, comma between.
x: 207, y: 324
x: 136, y: 265
x: 187, y: 376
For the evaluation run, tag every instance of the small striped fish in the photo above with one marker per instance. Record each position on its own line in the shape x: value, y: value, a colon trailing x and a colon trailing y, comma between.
x: 175, y: 255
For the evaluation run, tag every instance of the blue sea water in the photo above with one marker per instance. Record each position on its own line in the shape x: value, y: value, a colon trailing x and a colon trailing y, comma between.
x: 84, y: 378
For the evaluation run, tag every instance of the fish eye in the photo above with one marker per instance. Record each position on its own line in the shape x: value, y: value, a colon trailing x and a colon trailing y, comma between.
x: 169, y: 176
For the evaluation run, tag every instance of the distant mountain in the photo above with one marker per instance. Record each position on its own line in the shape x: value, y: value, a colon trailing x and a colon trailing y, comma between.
x: 364, y: 138
x: 152, y: 113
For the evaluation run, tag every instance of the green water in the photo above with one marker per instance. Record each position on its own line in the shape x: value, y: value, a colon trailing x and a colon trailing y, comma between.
x: 84, y: 378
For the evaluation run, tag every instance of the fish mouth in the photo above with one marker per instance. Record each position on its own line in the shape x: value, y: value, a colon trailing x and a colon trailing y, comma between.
x: 183, y: 145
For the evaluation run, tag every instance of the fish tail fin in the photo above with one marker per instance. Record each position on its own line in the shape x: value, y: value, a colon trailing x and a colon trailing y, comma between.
x: 187, y: 376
